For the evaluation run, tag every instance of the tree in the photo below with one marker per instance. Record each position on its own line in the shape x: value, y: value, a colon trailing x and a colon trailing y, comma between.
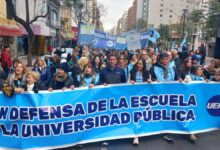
x: 164, y: 34
x: 26, y: 24
x: 211, y: 23
x: 205, y: 20
x: 141, y: 25
x: 86, y: 11
x: 78, y: 9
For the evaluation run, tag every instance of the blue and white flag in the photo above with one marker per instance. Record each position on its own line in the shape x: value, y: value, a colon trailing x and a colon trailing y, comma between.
x: 151, y: 35
x: 86, y: 34
x: 121, y: 43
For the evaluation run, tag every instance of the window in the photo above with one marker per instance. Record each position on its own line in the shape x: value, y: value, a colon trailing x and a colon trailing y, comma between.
x: 170, y: 16
x: 54, y: 17
x: 161, y: 10
x: 161, y: 15
x: 161, y: 5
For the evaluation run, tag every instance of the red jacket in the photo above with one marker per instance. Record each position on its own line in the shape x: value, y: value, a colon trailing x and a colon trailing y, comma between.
x: 6, y: 59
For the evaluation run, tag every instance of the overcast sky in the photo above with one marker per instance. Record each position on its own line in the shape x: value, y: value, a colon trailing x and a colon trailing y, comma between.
x: 115, y: 9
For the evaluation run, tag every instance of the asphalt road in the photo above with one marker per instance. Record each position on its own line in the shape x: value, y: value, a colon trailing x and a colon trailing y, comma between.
x: 206, y: 141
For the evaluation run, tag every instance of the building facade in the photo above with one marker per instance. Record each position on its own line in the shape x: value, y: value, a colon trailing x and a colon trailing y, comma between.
x: 125, y: 21
x: 197, y: 30
x: 132, y: 11
x: 54, y: 21
x: 157, y: 12
x: 40, y: 27
x: 142, y: 9
x: 9, y: 30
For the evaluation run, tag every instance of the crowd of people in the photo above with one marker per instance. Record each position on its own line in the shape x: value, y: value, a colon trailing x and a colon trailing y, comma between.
x: 88, y: 67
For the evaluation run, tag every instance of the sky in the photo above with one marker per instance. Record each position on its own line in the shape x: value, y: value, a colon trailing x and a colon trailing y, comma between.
x: 114, y: 11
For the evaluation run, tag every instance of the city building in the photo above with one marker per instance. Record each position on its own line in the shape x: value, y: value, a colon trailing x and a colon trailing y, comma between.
x: 66, y: 25
x: 157, y: 12
x: 9, y: 30
x: 39, y: 27
x: 54, y: 21
x: 132, y: 11
x: 125, y: 21
x: 122, y: 25
x: 119, y: 26
x: 142, y: 9
x: 197, y: 30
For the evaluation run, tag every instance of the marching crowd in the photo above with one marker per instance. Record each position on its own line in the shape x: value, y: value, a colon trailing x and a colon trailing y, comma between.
x: 88, y: 67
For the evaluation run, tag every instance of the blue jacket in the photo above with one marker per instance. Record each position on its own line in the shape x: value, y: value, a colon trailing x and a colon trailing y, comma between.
x: 45, y: 75
x: 196, y: 78
x: 157, y: 72
x: 117, y: 75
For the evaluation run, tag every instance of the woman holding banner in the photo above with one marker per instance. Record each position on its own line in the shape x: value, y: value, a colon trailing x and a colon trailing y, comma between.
x: 62, y: 80
x: 88, y: 78
x: 139, y: 74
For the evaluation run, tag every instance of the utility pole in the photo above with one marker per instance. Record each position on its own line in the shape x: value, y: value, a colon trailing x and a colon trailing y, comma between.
x: 184, y: 21
x: 217, y: 42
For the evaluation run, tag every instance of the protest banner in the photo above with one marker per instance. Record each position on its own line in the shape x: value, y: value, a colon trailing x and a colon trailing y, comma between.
x: 61, y: 119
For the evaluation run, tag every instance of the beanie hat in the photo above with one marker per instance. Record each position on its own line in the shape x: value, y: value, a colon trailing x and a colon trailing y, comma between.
x: 64, y: 66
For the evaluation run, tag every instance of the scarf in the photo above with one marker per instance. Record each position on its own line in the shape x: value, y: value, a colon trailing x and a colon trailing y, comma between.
x: 166, y: 70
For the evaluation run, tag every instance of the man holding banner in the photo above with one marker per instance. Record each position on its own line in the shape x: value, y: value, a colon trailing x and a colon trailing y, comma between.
x: 112, y: 74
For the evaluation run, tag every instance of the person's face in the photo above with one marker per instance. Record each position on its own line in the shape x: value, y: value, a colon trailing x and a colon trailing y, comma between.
x: 174, y: 54
x: 217, y: 77
x: 144, y: 55
x: 19, y: 69
x: 61, y: 72
x: 112, y: 61
x: 85, y: 50
x: 151, y: 52
x: 165, y: 61
x: 88, y: 70
x: 189, y: 63
x: 139, y: 65
x: 199, y: 71
x: 154, y: 58
x: 40, y: 63
x: 76, y: 53
x: 212, y: 64
x: 121, y: 60
x: 170, y: 56
x: 191, y: 53
x: 134, y: 57
x: 30, y: 79
x: 97, y: 60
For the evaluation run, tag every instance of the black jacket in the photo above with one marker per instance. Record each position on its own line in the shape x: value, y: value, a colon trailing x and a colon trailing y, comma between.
x: 145, y: 75
x: 57, y: 85
x: 37, y: 87
x: 109, y: 76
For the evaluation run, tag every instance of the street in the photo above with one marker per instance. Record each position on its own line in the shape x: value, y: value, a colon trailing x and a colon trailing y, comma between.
x: 206, y: 141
